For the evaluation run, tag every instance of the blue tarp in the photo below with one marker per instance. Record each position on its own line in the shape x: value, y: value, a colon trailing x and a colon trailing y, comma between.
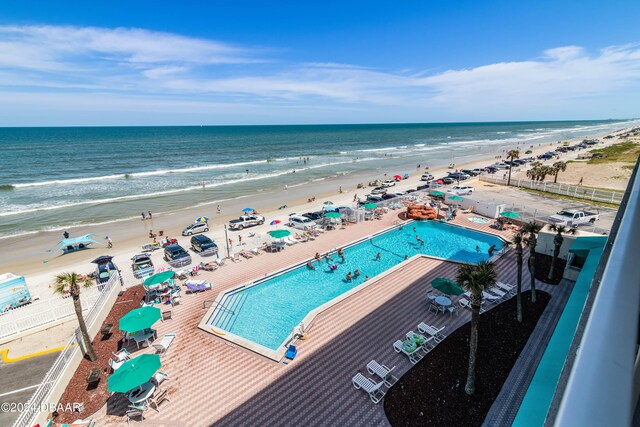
x: 82, y: 240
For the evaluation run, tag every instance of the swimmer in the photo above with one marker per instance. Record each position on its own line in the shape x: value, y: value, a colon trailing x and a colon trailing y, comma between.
x: 378, y: 256
x: 356, y: 273
x: 342, y: 259
x: 414, y: 230
x: 406, y: 257
x: 492, y: 250
x: 349, y: 276
x: 366, y: 278
x: 340, y: 251
x: 310, y: 266
x: 477, y: 249
x: 318, y: 256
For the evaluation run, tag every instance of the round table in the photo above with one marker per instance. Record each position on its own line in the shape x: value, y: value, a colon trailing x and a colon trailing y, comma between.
x: 443, y: 301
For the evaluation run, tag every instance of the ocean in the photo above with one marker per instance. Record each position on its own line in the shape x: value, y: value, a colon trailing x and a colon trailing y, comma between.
x: 52, y: 178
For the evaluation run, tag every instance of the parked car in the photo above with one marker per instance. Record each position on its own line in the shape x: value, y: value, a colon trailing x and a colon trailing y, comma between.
x: 176, y: 253
x: 315, y: 215
x: 202, y: 243
x: 448, y: 180
x: 480, y: 171
x: 470, y: 172
x: 379, y: 190
x: 459, y: 176
x: 423, y: 187
x: 426, y: 177
x: 372, y: 198
x: 302, y: 222
x: 388, y: 196
x: 528, y: 152
x: 491, y: 169
x: 574, y: 217
x: 461, y: 190
x: 245, y: 221
x: 142, y: 266
x: 104, y: 272
x: 389, y: 183
x: 197, y: 227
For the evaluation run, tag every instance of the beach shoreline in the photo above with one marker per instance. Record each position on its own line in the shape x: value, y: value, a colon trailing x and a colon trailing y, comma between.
x: 26, y: 255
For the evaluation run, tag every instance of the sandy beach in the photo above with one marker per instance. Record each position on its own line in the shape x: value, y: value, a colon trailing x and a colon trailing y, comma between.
x: 28, y: 256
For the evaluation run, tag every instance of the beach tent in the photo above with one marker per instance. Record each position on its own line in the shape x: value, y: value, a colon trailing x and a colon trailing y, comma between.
x: 76, y: 243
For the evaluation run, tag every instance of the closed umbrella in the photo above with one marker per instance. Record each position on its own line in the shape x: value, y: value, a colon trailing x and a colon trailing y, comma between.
x: 156, y: 279
x: 447, y: 286
x: 509, y: 214
x: 133, y: 373
x: 370, y: 206
x: 202, y: 219
x: 139, y: 319
x: 279, y: 234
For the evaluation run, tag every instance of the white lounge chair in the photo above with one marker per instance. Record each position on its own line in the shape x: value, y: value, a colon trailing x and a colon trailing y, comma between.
x: 235, y: 257
x: 374, y: 368
x: 486, y: 295
x: 426, y: 342
x: 373, y: 389
x: 414, y: 356
x: 164, y: 345
x: 255, y: 251
x: 436, y: 333
x: 159, y: 377
x: 499, y: 293
x: 290, y: 241
x: 507, y: 288
x: 114, y: 365
x: 122, y: 355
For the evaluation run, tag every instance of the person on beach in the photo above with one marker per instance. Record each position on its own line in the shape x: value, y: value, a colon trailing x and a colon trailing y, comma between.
x: 378, y: 256
x: 65, y: 234
x: 218, y: 209
x: 247, y: 171
x: 340, y: 190
x: 109, y: 242
x: 239, y: 240
x: 143, y: 216
x: 349, y: 277
x: 355, y: 197
x: 580, y: 182
x: 310, y: 266
x: 149, y: 215
x: 230, y: 242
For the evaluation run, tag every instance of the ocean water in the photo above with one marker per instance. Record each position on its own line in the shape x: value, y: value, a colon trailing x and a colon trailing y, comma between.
x: 268, y: 312
x: 58, y: 177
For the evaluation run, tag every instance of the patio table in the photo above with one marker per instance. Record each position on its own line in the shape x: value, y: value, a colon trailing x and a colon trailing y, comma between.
x: 142, y: 393
x: 143, y: 337
x: 443, y: 301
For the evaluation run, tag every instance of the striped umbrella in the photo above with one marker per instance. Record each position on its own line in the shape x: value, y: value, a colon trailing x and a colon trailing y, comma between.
x: 275, y: 222
x: 202, y: 219
x: 327, y: 203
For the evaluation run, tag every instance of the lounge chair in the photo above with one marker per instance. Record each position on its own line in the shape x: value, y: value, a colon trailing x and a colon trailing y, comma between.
x: 159, y: 377
x: 436, y: 333
x: 246, y: 254
x: 114, y: 365
x: 255, y: 251
x: 122, y: 355
x: 290, y: 241
x: 413, y: 355
x: 469, y: 210
x: 507, y: 288
x: 220, y: 262
x: 164, y: 345
x: 421, y: 340
x: 374, y: 368
x: 235, y: 257
x: 158, y: 398
x: 374, y: 390
x: 193, y: 288
x: 486, y: 295
x: 499, y: 293
x: 310, y: 236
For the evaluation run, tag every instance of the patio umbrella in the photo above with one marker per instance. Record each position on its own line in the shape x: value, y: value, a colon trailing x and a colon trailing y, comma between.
x: 156, y: 279
x: 447, y: 286
x: 437, y: 194
x: 327, y: 203
x: 275, y: 222
x: 279, y: 234
x: 370, y: 206
x: 509, y: 214
x: 102, y: 259
x: 334, y: 215
x: 458, y: 198
x: 133, y: 373
x: 248, y: 210
x: 202, y: 219
x: 397, y: 177
x: 139, y: 319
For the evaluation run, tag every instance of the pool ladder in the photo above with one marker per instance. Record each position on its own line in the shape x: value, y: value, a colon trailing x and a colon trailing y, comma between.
x: 226, y: 313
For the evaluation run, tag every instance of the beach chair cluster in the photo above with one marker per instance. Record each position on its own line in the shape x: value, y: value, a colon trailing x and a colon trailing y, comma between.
x: 415, y: 346
x: 501, y: 292
x: 375, y: 388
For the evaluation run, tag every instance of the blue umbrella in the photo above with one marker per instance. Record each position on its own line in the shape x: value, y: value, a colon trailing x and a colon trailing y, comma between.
x: 248, y: 210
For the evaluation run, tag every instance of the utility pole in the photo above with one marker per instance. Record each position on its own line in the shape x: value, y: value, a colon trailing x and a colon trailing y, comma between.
x: 226, y: 240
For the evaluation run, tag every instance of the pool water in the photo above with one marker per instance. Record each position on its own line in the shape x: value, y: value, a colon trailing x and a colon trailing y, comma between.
x: 268, y: 312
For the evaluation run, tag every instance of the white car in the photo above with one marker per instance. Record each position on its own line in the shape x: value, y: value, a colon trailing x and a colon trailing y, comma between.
x: 198, y: 227
x: 461, y: 190
x: 389, y: 183
x: 379, y: 190
x: 302, y: 222
x: 426, y: 177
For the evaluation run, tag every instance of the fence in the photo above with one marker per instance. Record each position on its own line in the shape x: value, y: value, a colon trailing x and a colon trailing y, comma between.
x: 593, y: 194
x: 44, y: 312
x: 41, y: 398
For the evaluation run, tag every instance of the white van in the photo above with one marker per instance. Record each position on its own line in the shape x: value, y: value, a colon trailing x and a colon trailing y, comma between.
x: 302, y: 222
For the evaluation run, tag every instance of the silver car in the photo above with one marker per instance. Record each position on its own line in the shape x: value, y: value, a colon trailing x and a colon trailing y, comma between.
x: 198, y: 227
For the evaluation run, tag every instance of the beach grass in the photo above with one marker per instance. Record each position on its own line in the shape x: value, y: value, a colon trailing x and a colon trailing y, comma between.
x: 571, y: 198
x: 624, y: 152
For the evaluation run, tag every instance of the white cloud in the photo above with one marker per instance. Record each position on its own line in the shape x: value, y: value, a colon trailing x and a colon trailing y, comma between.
x: 165, y: 69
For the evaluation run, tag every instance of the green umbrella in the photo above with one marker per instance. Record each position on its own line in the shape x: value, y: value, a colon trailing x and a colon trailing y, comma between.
x: 156, y: 279
x: 139, y: 319
x: 279, y: 234
x: 447, y: 286
x: 509, y: 214
x: 133, y: 373
x: 334, y: 215
x: 437, y: 194
x: 456, y: 198
x: 370, y: 206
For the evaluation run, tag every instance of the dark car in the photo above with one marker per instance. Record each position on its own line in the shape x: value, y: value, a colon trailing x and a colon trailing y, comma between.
x: 422, y: 187
x: 470, y: 172
x: 314, y: 215
x: 105, y: 270
x: 201, y: 243
x: 387, y: 196
x: 175, y: 254
x: 528, y: 152
x: 447, y: 180
x: 491, y: 169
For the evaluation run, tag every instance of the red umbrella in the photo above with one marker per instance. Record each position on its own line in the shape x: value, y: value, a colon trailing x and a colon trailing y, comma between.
x: 439, y: 181
x: 398, y: 177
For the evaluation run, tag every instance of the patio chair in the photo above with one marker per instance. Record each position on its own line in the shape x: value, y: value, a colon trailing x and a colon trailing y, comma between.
x: 159, y: 377
x: 414, y: 356
x: 436, y: 308
x: 431, y: 296
x: 114, y: 365
x: 159, y: 398
x: 374, y: 390
x: 427, y: 345
x: 167, y: 315
x: 374, y: 368
x: 135, y: 411
x: 452, y: 309
x: 436, y: 333
x: 255, y: 251
x: 464, y: 303
x: 122, y: 355
x: 164, y: 345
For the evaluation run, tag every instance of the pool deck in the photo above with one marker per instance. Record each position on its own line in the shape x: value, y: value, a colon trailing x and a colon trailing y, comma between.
x: 214, y: 382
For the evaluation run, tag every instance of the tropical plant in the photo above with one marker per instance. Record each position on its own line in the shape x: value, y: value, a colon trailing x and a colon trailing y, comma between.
x: 532, y: 229
x: 70, y: 283
x: 475, y: 279
x: 532, y: 173
x: 557, y: 168
x: 544, y: 171
x: 512, y: 155
x: 557, y: 242
x: 517, y: 242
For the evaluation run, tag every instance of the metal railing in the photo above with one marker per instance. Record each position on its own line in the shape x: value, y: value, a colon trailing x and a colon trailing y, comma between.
x: 602, y: 385
x: 577, y: 191
x: 38, y: 400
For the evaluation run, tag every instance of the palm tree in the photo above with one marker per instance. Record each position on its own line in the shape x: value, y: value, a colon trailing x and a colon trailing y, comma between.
x: 531, y: 229
x: 557, y: 168
x: 557, y: 242
x: 512, y: 154
x: 71, y: 283
x: 532, y: 173
x: 475, y: 279
x: 517, y: 241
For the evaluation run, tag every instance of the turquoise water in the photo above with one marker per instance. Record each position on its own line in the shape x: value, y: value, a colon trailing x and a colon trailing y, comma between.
x: 53, y: 178
x: 267, y: 313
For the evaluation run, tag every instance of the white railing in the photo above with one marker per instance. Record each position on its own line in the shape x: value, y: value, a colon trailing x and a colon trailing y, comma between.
x: 40, y: 398
x: 43, y: 312
x: 578, y: 191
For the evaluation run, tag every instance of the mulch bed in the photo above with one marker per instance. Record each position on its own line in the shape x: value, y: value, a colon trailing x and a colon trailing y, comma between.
x: 543, y: 265
x: 94, y: 397
x: 432, y: 392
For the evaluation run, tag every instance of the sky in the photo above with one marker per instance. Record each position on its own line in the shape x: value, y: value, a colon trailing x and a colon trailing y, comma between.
x: 72, y: 63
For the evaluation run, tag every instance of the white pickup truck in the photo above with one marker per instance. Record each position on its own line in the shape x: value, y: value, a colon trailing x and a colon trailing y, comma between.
x: 573, y: 217
x: 245, y: 221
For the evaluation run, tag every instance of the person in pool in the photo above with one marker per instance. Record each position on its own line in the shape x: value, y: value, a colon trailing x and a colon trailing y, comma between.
x: 310, y: 266
x: 378, y: 256
x: 366, y: 278
x: 491, y: 250
x: 356, y: 273
x: 318, y: 256
x: 340, y: 251
x: 477, y: 248
x: 327, y: 257
x: 349, y: 277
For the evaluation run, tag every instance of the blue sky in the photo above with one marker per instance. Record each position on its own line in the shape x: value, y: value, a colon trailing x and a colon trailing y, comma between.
x: 257, y: 62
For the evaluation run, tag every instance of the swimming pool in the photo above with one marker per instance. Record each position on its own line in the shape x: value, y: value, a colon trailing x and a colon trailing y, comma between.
x: 262, y: 316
